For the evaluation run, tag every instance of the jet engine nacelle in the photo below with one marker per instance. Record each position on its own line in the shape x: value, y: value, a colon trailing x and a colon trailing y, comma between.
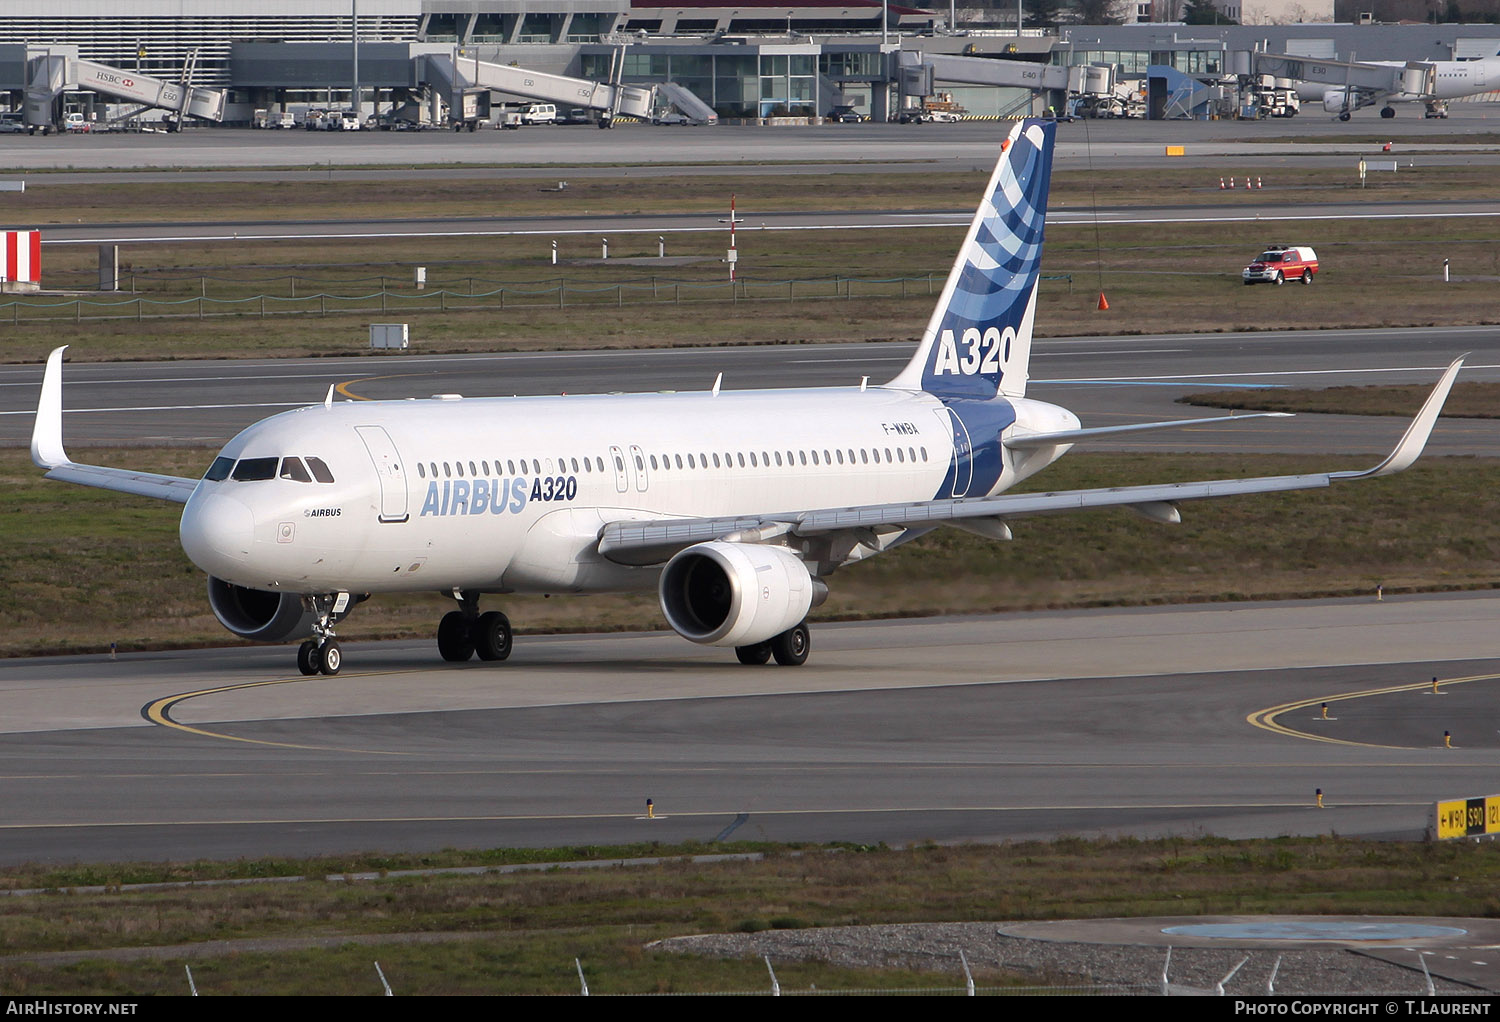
x: 1333, y: 101
x: 257, y: 614
x: 736, y: 594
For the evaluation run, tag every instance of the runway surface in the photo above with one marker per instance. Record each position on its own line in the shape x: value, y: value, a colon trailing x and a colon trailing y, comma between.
x: 562, y: 225
x: 1182, y: 720
x: 1304, y: 141
x: 1107, y: 380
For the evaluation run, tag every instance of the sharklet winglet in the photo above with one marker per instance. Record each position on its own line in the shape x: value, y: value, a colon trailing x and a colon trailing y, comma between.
x: 1412, y: 442
x: 46, y: 434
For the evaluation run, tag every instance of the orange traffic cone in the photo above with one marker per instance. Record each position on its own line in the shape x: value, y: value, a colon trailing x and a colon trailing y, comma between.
x: 1387, y: 147
x: 1103, y: 302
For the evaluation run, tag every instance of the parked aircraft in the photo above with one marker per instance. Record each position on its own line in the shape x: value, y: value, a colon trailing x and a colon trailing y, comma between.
x: 1442, y: 80
x: 735, y: 506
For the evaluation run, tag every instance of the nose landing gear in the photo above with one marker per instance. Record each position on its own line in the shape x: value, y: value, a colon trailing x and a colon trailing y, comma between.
x: 314, y: 657
x: 322, y: 654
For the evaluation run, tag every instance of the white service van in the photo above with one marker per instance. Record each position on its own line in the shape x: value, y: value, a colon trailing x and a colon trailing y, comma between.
x: 539, y: 113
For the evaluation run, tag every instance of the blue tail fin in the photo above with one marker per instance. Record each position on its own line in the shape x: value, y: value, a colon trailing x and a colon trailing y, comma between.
x: 978, y: 342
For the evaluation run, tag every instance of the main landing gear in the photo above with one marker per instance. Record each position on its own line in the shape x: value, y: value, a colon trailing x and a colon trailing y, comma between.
x: 464, y: 632
x: 790, y: 648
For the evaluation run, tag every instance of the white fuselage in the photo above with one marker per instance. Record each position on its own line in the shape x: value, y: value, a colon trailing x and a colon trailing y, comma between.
x: 510, y: 494
x: 1452, y: 79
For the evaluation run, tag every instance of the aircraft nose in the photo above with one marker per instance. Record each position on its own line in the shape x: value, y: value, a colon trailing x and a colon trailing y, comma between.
x: 216, y: 532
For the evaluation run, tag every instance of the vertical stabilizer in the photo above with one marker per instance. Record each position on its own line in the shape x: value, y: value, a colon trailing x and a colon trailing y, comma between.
x: 978, y: 342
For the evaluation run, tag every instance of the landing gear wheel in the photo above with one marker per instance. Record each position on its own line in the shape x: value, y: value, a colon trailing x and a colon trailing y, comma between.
x: 491, y: 636
x: 308, y: 660
x: 1344, y: 116
x: 1387, y: 112
x: 791, y: 647
x: 454, y: 642
x: 331, y: 658
x: 1280, y: 278
x: 754, y: 655
x: 1307, y: 276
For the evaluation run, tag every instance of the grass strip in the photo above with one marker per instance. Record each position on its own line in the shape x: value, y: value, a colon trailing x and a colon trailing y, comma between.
x: 1467, y: 400
x: 519, y: 933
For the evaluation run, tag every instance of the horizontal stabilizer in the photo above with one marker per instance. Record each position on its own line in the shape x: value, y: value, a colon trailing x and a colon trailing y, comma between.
x: 1031, y: 441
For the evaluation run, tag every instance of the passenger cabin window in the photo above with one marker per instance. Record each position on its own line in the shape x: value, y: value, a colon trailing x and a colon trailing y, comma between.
x: 291, y: 468
x: 219, y: 470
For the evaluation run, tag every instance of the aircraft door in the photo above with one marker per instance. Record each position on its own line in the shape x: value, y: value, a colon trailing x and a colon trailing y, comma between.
x: 638, y: 459
x: 389, y: 470
x: 617, y: 459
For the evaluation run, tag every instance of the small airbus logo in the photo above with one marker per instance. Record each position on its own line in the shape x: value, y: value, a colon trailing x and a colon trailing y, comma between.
x: 982, y: 353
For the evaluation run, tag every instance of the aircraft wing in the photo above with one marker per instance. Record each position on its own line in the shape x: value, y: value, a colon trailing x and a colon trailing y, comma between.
x: 47, y: 450
x: 650, y: 541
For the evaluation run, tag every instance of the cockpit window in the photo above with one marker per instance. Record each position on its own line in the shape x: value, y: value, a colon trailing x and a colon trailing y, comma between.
x: 254, y: 469
x: 320, y: 470
x: 219, y: 470
x: 292, y: 468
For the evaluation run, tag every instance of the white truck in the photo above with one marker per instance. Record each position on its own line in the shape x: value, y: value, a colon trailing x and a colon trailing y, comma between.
x: 1267, y: 96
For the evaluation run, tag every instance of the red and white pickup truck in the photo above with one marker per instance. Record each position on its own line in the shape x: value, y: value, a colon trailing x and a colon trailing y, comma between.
x: 1281, y: 263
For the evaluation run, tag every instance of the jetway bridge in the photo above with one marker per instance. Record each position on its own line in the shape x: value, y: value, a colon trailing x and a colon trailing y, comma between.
x: 457, y: 76
x: 919, y: 71
x: 1351, y: 84
x: 1414, y: 77
x: 50, y: 75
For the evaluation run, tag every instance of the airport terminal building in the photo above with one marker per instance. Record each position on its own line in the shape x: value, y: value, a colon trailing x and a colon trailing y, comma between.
x: 753, y: 60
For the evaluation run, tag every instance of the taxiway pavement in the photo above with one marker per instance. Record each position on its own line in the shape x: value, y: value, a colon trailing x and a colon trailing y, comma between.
x: 1147, y: 721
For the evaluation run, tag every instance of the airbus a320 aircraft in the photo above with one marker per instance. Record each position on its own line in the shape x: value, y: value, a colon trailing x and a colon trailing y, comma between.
x: 734, y: 506
x: 1432, y: 83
